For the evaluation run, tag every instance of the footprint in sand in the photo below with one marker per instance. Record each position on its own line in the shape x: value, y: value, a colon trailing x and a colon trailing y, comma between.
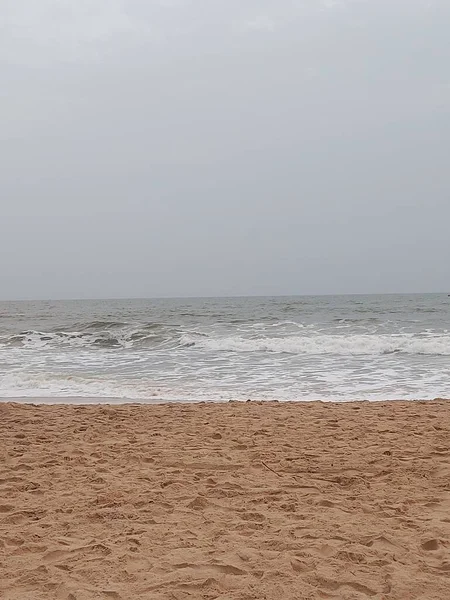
x: 380, y: 542
x: 219, y: 568
x: 335, y: 586
x: 253, y: 516
x: 58, y: 555
x: 430, y: 545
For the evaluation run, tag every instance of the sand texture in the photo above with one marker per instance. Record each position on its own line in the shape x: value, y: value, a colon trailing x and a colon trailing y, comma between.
x: 225, y: 501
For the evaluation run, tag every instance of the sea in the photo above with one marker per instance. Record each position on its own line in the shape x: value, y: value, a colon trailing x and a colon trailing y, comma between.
x: 300, y: 348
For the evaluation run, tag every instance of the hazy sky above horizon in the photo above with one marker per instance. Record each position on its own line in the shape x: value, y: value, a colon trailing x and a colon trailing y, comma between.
x: 224, y: 147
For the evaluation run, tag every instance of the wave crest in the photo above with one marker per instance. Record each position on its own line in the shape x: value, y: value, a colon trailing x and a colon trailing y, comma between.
x: 92, y: 336
x: 348, y: 345
x: 285, y: 337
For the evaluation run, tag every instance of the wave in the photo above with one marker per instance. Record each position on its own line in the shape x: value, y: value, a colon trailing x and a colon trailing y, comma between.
x: 117, y: 334
x: 51, y: 387
x: 101, y: 325
x: 48, y: 385
x: 348, y: 345
x: 93, y: 336
x: 286, y: 337
x: 356, y: 321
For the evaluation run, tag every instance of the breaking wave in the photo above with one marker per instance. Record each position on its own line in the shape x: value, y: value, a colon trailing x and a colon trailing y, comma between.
x: 107, y: 335
x: 351, y: 345
x: 295, y: 340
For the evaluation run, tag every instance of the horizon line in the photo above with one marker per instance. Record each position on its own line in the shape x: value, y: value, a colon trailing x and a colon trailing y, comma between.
x: 212, y: 297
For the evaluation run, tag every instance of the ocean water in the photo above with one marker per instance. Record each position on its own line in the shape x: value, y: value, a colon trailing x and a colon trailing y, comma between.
x: 283, y: 348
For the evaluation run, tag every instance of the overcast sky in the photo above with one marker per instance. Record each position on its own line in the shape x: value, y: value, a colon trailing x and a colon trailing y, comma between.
x: 224, y: 147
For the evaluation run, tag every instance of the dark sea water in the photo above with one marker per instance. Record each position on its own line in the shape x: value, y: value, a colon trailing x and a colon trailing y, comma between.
x: 284, y: 348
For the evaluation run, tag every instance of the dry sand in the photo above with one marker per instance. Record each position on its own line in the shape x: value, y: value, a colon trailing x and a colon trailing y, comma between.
x: 227, y: 501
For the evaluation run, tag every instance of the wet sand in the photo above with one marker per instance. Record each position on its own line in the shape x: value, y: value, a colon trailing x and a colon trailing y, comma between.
x: 225, y: 501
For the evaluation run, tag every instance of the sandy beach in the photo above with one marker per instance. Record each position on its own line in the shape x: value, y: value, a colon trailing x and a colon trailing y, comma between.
x: 225, y: 501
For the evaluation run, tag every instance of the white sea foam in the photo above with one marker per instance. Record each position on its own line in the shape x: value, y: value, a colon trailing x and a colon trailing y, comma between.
x: 122, y: 338
x: 294, y: 338
x: 347, y: 345
x: 338, y: 388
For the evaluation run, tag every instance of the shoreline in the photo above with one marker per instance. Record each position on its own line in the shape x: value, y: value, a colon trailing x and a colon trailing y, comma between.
x: 236, y: 500
x: 115, y: 401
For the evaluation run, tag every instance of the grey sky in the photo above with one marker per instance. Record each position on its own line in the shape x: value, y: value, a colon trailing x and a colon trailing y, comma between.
x: 215, y: 147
